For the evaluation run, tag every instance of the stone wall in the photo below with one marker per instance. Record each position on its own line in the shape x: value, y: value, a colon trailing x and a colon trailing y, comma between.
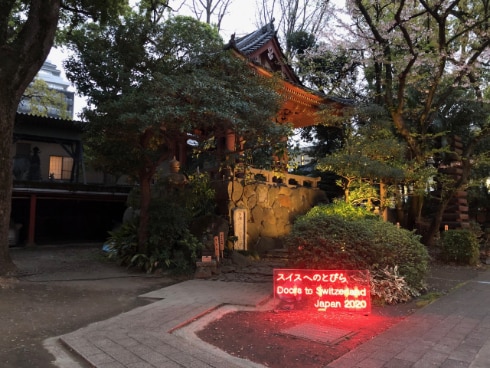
x: 271, y: 210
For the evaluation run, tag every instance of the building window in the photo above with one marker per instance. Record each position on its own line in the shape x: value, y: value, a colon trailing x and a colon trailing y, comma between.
x: 60, y: 167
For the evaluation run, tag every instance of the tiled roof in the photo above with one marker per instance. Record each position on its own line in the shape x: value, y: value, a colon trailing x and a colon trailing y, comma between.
x: 255, y: 40
x: 252, y: 42
x: 35, y: 120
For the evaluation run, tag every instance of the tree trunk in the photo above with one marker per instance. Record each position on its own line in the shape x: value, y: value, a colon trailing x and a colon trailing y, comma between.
x: 7, y: 116
x: 145, y: 198
x: 446, y: 197
x: 383, y: 193
x: 414, y: 210
x: 400, y: 214
x: 435, y: 225
x: 346, y: 183
x: 21, y: 57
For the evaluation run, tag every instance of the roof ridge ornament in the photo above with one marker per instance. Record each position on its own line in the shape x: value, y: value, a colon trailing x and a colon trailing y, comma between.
x: 269, y: 26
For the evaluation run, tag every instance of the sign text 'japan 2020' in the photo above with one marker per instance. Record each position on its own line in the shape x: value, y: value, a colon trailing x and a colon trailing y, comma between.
x: 323, y: 290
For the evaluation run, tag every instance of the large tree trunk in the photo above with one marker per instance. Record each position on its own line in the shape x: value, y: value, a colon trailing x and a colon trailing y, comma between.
x: 6, y: 127
x: 430, y: 235
x: 415, y: 210
x: 144, y: 218
x: 400, y: 213
x: 446, y: 197
x: 383, y: 194
x: 20, y: 60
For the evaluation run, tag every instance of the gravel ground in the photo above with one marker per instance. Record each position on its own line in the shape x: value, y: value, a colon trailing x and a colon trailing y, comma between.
x: 61, y: 289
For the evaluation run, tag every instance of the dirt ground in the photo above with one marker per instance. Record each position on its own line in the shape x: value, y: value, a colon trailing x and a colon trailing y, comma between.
x: 62, y: 288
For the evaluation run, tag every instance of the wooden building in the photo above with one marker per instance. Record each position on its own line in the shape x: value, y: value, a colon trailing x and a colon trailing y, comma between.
x: 262, y: 49
x: 55, y: 197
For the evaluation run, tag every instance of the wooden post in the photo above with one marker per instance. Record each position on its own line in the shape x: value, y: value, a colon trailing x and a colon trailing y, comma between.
x: 182, y: 153
x: 230, y: 141
x: 32, y: 220
x: 216, y: 247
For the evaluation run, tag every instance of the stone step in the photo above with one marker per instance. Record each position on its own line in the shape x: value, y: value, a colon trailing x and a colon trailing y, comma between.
x: 461, y: 194
x: 276, y: 254
x: 455, y: 217
x: 459, y: 201
x: 456, y: 225
x: 457, y: 208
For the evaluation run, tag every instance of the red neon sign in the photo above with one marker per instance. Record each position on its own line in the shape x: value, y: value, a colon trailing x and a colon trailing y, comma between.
x: 323, y: 290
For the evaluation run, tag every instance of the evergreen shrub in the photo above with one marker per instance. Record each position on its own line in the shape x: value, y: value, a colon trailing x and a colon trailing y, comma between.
x: 338, y: 237
x: 460, y: 246
x: 170, y: 244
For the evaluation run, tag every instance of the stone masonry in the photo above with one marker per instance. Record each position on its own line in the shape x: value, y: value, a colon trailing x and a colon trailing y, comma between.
x: 271, y: 209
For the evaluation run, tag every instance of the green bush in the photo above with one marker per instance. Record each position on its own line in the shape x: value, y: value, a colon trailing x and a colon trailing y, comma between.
x: 460, y: 246
x: 323, y: 239
x: 343, y: 210
x: 123, y: 243
x: 170, y: 244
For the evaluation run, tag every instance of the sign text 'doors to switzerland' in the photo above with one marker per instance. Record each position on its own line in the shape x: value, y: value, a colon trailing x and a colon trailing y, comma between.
x: 323, y: 290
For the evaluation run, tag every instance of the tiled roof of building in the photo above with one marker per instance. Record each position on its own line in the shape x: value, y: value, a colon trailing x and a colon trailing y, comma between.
x: 251, y: 44
x: 255, y: 40
x: 262, y: 47
x: 32, y: 119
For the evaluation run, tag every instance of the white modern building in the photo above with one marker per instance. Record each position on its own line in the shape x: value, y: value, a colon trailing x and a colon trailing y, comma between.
x: 52, y: 76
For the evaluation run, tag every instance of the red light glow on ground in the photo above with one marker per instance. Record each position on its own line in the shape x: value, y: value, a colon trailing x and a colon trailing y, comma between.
x: 297, y: 338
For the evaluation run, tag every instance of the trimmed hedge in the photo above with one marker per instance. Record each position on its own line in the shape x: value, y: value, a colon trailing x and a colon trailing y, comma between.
x: 325, y: 239
x: 460, y: 246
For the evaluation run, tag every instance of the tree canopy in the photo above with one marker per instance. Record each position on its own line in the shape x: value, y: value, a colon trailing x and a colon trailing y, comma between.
x: 298, y: 20
x: 43, y: 101
x: 150, y: 84
x: 27, y: 33
x: 209, y: 11
x: 426, y: 64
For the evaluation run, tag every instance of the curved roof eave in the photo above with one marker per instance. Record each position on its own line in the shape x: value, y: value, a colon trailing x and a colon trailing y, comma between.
x: 247, y: 45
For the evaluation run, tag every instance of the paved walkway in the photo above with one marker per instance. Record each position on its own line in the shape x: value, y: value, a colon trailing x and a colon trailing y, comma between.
x: 142, y: 337
x: 454, y: 331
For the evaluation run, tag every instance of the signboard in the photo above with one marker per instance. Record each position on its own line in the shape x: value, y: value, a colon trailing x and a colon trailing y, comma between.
x: 240, y: 228
x: 323, y: 290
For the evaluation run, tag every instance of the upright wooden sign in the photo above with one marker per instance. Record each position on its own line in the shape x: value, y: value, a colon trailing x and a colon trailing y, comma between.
x: 240, y: 228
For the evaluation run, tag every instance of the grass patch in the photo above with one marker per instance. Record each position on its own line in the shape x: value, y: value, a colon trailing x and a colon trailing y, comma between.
x: 427, y: 299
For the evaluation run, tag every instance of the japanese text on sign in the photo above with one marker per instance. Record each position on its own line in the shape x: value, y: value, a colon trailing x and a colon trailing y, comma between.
x: 323, y: 290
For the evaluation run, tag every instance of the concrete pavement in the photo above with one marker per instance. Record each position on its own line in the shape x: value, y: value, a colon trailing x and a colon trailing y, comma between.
x: 453, y: 331
x: 144, y: 336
